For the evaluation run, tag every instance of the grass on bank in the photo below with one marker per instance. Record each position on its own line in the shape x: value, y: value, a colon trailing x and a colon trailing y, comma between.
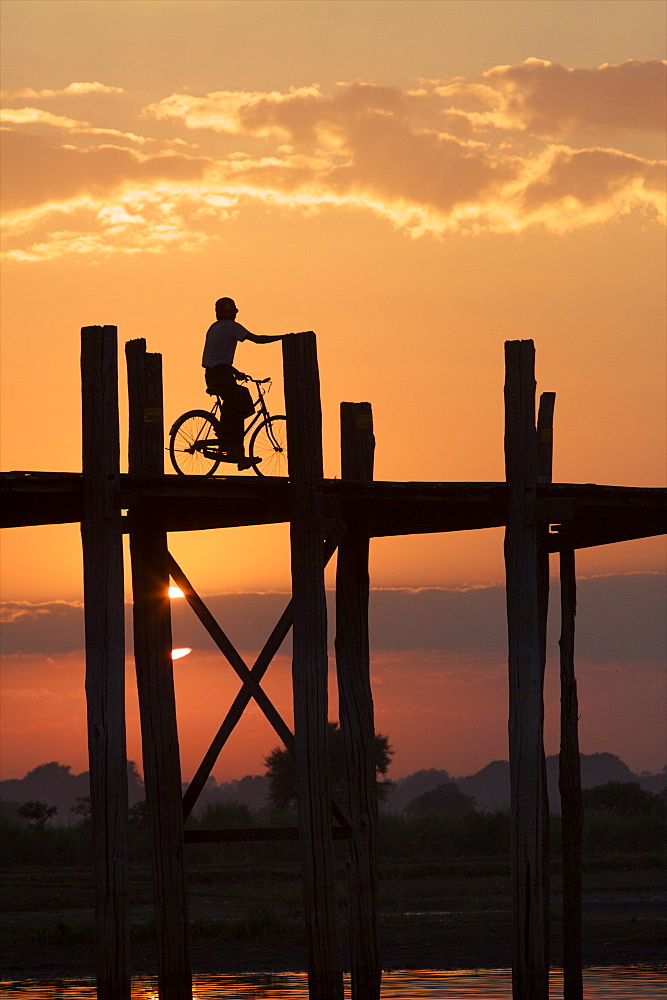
x: 420, y: 838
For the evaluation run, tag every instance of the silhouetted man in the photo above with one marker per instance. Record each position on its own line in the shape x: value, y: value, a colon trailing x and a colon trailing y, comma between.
x: 217, y: 361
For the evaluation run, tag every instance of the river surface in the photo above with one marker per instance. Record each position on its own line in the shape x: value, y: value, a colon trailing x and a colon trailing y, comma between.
x: 619, y: 983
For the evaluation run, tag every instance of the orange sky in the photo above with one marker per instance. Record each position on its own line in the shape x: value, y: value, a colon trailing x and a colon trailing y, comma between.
x: 415, y: 181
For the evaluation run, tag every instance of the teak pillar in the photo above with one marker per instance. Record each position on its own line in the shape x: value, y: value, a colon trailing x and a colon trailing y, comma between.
x: 309, y: 665
x: 102, y: 540
x: 356, y: 712
x: 530, y: 972
x: 569, y: 783
x: 545, y: 437
x: 155, y: 680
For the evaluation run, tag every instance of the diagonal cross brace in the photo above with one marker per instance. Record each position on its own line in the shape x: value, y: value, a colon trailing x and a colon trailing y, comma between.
x: 228, y: 650
x: 250, y: 678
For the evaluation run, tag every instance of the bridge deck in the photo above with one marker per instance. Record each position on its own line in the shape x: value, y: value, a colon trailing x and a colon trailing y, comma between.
x: 580, y: 514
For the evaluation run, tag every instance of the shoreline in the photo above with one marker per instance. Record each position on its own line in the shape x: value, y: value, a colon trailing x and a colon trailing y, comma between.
x: 50, y: 963
x: 44, y: 976
x: 249, y: 920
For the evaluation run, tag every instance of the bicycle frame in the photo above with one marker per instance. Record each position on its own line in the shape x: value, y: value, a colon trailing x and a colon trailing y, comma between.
x: 261, y: 411
x: 199, y: 433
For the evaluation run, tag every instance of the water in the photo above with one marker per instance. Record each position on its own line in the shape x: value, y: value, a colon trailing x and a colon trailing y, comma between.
x: 621, y: 983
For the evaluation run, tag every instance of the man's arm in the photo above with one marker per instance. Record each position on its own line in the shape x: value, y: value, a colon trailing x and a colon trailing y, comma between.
x: 260, y: 339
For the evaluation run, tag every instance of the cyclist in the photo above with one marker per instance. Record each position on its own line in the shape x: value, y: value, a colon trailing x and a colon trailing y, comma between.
x: 218, y: 363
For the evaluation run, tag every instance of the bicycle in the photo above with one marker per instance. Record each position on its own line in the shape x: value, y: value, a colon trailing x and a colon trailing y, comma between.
x: 195, y: 438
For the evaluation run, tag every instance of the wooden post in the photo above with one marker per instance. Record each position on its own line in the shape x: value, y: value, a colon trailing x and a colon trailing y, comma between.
x: 530, y: 973
x: 356, y: 713
x: 309, y: 665
x: 545, y: 437
x: 102, y: 540
x: 155, y: 680
x: 569, y: 783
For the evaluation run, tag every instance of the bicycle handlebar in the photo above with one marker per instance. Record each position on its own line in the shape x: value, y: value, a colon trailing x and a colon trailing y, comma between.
x: 249, y: 378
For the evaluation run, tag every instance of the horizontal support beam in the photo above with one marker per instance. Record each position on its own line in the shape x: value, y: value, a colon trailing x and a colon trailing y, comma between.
x: 587, y: 514
x: 24, y: 510
x: 603, y: 530
x: 253, y: 833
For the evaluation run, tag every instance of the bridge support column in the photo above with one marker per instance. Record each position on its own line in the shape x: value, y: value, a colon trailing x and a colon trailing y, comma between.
x: 102, y: 540
x: 309, y: 666
x: 569, y: 783
x: 155, y: 680
x: 356, y: 712
x: 530, y: 961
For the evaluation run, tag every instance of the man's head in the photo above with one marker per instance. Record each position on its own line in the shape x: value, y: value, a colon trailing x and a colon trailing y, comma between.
x: 225, y: 309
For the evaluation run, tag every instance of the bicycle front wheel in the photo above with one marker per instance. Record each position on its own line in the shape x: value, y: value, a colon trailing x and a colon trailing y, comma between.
x: 269, y: 442
x: 194, y: 445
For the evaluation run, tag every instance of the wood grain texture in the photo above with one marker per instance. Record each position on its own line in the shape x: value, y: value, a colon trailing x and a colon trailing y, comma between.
x: 544, y: 467
x: 569, y: 783
x: 529, y: 941
x: 102, y: 540
x: 155, y: 680
x: 357, y: 723
x: 309, y: 665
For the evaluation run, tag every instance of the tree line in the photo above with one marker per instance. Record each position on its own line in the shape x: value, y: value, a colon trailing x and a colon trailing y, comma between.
x: 444, y: 822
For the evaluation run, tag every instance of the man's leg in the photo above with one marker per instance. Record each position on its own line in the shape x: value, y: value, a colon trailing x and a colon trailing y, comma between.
x: 232, y: 419
x: 221, y: 380
x: 236, y: 410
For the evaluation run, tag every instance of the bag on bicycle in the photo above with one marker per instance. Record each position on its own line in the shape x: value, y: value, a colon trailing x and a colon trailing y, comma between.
x: 221, y: 380
x: 245, y: 401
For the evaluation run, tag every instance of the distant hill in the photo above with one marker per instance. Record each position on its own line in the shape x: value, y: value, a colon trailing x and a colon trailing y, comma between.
x: 251, y: 791
x: 490, y: 787
x: 54, y: 784
x: 407, y: 789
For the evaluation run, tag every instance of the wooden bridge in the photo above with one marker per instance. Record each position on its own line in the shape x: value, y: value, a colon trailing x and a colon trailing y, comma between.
x: 324, y: 515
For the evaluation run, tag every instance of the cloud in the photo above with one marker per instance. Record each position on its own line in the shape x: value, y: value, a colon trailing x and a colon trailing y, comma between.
x: 548, y: 98
x: 47, y: 628
x: 26, y: 611
x: 537, y: 96
x: 71, y: 90
x: 620, y: 619
x: 36, y: 116
x: 600, y: 182
x: 433, y: 171
x: 36, y: 171
x: 386, y: 149
x: 439, y: 665
x: 254, y: 113
x: 458, y: 156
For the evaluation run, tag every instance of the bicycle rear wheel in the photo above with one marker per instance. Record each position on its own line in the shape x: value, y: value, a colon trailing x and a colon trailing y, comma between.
x: 194, y: 445
x: 269, y: 442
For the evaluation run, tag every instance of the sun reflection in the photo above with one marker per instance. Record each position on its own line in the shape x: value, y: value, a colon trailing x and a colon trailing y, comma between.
x: 615, y: 983
x: 176, y: 654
